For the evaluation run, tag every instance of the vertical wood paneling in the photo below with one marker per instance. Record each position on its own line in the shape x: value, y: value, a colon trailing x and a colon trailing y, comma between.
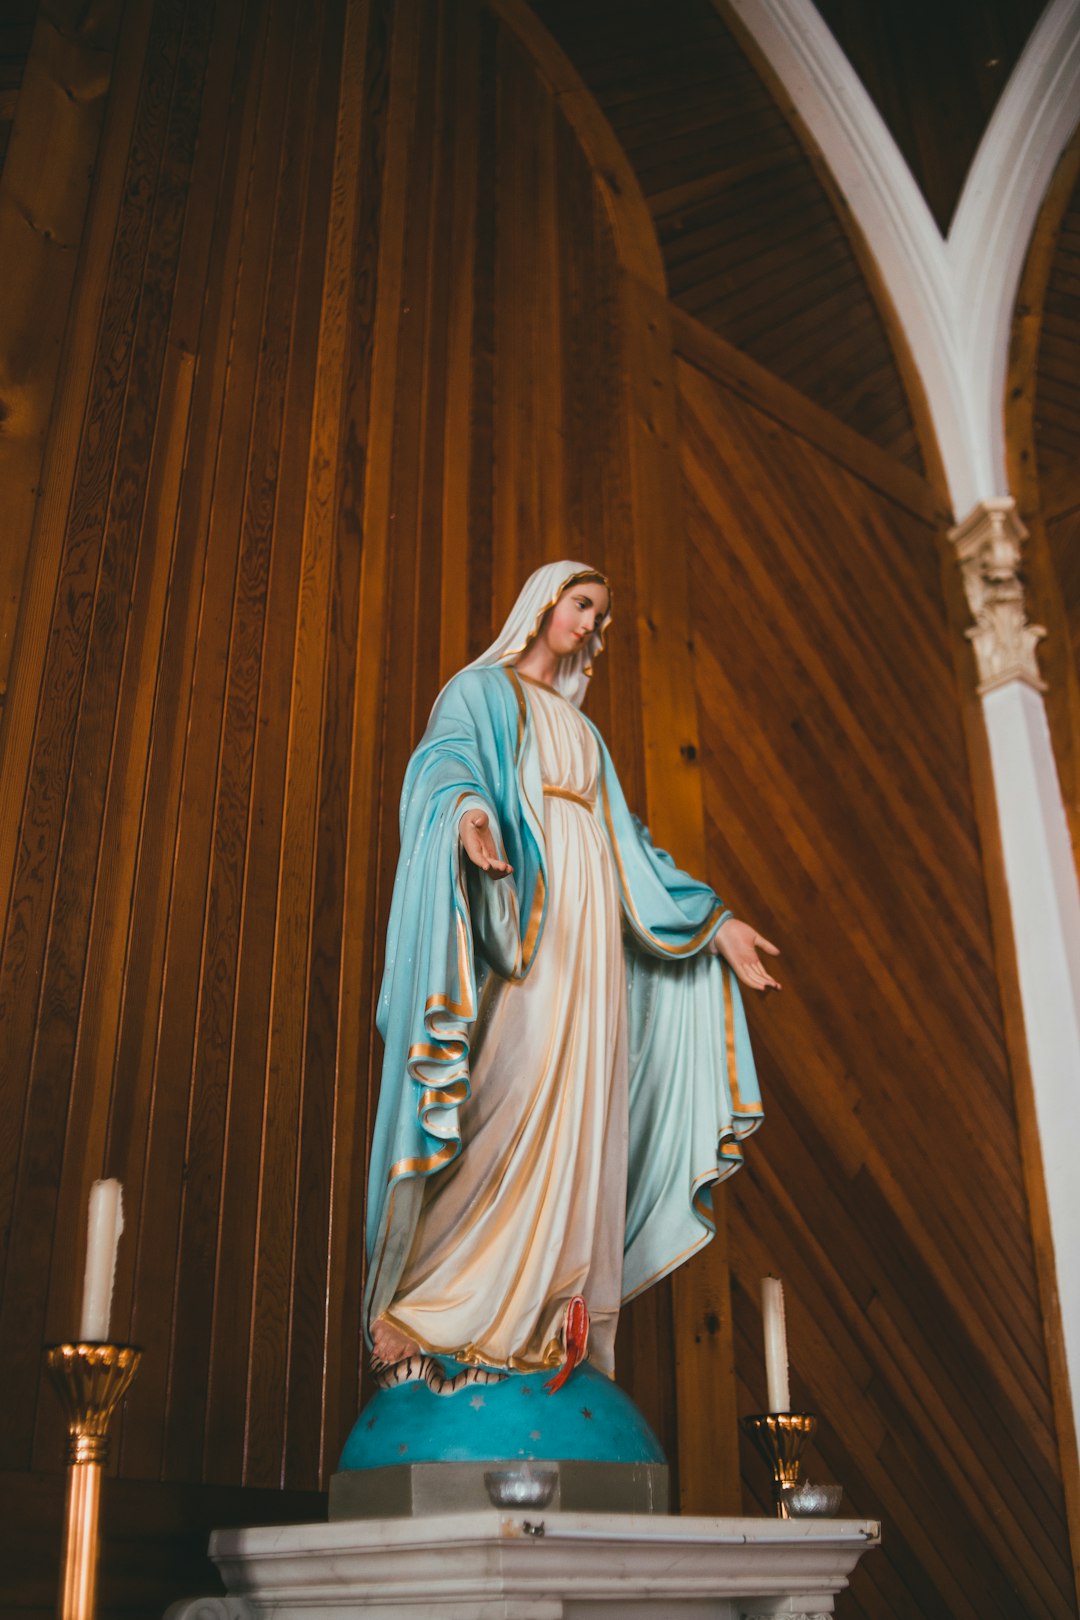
x: 248, y: 764
x: 358, y: 196
x: 45, y: 180
x: 461, y: 236
x: 49, y: 915
x: 311, y: 1361
x: 141, y: 1104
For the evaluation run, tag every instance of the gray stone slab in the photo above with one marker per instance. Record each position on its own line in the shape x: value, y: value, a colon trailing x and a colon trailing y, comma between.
x: 421, y: 1490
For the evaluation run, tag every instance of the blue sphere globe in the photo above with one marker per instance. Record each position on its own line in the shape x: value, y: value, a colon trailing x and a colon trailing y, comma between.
x: 589, y: 1419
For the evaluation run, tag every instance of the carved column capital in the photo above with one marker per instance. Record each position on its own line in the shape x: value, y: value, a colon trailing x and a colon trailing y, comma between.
x: 988, y: 544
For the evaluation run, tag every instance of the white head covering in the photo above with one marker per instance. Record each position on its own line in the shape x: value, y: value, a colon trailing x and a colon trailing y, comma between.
x: 539, y: 593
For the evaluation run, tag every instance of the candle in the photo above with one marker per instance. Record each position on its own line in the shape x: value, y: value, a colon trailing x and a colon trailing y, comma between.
x: 106, y: 1223
x: 776, y: 1360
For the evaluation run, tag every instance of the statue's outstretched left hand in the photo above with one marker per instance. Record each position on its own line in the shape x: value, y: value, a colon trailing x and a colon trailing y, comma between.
x: 739, y: 944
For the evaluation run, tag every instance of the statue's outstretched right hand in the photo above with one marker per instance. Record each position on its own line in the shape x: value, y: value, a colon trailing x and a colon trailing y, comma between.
x: 474, y: 830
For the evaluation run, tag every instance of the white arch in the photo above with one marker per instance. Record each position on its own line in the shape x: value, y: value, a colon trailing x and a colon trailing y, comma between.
x: 954, y: 297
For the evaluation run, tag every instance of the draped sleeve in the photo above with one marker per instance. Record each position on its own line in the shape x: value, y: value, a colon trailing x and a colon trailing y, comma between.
x: 694, y: 1094
x: 445, y: 931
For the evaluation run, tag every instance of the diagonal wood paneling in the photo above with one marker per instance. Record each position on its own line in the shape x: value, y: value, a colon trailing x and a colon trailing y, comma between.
x: 753, y: 245
x: 888, y: 1191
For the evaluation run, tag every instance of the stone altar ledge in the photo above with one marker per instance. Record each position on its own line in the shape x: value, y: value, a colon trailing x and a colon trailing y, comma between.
x: 496, y: 1565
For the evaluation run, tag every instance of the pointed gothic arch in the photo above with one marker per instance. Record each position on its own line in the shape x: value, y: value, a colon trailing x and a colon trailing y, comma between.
x: 954, y: 296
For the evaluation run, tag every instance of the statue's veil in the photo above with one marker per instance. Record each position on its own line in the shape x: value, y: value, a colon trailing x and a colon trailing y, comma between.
x: 539, y: 593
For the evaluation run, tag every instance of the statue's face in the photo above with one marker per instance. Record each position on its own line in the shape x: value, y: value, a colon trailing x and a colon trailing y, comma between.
x: 575, y: 616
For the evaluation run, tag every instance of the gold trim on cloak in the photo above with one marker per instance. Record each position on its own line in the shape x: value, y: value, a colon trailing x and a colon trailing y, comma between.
x: 752, y: 1110
x: 702, y: 934
x: 532, y: 931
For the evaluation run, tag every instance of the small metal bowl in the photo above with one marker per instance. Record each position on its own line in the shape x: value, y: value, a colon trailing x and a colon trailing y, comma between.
x: 523, y: 1487
x: 808, y: 1501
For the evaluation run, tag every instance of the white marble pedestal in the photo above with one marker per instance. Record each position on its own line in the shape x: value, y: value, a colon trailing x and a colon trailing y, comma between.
x: 495, y: 1565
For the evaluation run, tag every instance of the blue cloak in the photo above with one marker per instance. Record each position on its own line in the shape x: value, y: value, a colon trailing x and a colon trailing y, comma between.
x: 693, y: 1089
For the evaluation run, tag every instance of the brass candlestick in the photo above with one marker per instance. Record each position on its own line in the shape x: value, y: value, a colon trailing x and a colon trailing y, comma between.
x: 91, y: 1380
x: 780, y: 1437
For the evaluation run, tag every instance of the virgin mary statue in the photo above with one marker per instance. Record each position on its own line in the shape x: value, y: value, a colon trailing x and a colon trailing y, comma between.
x: 567, y: 1073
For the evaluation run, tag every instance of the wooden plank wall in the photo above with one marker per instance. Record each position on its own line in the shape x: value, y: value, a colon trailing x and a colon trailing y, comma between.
x: 360, y: 312
x: 887, y: 1189
x: 46, y: 174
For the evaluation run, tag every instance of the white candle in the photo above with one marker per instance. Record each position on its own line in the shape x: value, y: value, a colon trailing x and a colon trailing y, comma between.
x: 105, y: 1226
x: 776, y: 1359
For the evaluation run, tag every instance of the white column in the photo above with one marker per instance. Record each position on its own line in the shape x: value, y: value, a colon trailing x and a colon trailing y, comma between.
x: 1040, y: 872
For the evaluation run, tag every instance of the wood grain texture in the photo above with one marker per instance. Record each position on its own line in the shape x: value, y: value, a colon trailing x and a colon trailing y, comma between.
x: 840, y: 804
x: 45, y: 183
x: 367, y: 352
x: 753, y: 245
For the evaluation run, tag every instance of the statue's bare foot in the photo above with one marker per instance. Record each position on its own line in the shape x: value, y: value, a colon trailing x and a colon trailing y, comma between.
x: 389, y: 1344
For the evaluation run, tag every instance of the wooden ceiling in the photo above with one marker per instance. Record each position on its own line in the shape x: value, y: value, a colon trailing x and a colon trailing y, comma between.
x: 935, y: 69
x: 16, y: 27
x: 1057, y: 411
x: 753, y: 245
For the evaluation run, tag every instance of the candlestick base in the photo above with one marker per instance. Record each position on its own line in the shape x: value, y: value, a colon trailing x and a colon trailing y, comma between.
x: 780, y: 1437
x: 91, y: 1380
